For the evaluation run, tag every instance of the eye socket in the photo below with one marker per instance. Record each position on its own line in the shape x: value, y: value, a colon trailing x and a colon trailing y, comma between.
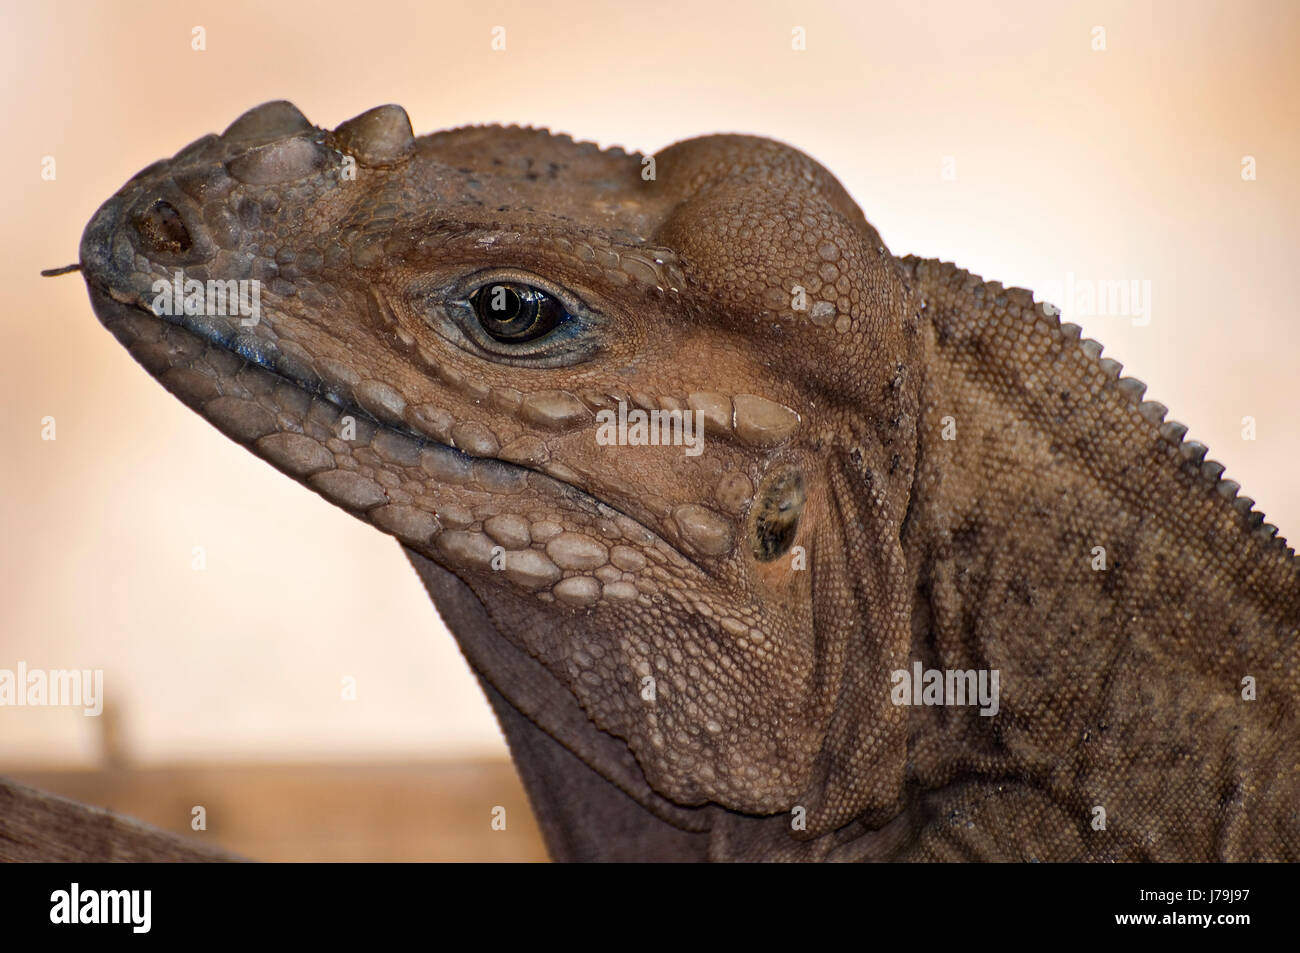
x: 514, y: 313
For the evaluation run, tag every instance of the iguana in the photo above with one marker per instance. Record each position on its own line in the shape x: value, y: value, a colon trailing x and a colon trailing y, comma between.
x: 722, y: 634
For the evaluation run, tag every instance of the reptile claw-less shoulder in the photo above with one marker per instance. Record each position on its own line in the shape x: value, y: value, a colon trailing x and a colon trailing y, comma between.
x: 892, y: 478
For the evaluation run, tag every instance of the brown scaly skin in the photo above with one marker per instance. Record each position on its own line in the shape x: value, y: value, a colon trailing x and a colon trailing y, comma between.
x: 1119, y: 688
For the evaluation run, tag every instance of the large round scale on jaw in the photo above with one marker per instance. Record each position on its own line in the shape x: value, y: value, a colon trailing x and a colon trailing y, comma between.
x: 774, y: 519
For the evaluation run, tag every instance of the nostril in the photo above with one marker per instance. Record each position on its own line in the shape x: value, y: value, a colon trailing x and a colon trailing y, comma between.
x: 164, y: 229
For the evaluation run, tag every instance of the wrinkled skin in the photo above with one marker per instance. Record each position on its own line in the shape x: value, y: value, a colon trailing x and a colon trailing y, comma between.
x: 691, y: 655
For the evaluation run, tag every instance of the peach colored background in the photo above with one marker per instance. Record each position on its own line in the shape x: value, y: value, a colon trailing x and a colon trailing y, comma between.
x: 1115, y: 164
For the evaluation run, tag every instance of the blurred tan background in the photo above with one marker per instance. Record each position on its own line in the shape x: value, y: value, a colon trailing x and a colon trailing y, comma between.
x: 1000, y: 137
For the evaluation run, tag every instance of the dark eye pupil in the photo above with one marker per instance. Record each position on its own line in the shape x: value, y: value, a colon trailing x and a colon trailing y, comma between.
x: 515, y: 313
x: 504, y: 304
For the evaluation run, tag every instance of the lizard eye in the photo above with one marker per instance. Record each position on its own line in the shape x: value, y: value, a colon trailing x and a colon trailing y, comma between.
x: 514, y: 313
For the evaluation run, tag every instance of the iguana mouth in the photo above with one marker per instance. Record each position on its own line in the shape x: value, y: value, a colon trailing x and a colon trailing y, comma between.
x: 186, y: 342
x: 255, y: 353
